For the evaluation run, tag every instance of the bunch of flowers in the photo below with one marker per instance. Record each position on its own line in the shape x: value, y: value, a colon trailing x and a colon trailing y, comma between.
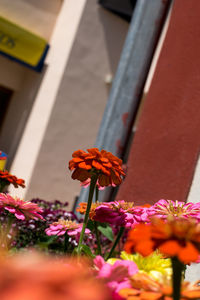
x: 158, y: 241
x: 120, y: 213
x: 32, y: 232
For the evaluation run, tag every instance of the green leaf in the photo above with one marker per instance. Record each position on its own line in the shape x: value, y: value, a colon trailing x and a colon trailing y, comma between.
x: 87, y: 251
x: 106, y: 231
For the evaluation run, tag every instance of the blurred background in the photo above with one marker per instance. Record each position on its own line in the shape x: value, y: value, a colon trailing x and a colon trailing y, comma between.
x: 75, y: 74
x: 49, y: 111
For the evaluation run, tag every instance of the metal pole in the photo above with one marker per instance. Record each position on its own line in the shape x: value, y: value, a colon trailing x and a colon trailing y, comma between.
x: 145, y: 27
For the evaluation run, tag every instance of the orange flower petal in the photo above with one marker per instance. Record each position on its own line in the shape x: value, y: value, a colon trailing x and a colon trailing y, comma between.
x: 150, y: 295
x: 77, y: 159
x: 115, y: 177
x: 170, y: 248
x: 145, y: 247
x: 126, y: 292
x: 195, y: 294
x: 80, y: 174
x: 85, y: 166
x: 103, y: 180
x: 188, y: 254
x: 96, y: 165
x: 78, y: 153
x: 94, y: 151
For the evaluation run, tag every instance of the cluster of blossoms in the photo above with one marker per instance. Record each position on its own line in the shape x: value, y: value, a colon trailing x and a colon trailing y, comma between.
x: 31, y: 232
x: 158, y: 239
x: 117, y: 213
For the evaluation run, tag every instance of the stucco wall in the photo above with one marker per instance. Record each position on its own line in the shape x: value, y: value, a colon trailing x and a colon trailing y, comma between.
x: 80, y: 102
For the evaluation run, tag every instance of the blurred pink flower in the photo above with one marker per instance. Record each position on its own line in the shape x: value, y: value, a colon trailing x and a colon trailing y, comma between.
x: 20, y: 208
x: 86, y: 184
x: 164, y: 208
x: 71, y: 227
x: 116, y: 276
x: 120, y: 213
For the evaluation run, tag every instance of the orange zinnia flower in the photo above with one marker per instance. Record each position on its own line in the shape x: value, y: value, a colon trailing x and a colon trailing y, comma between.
x: 8, y: 178
x: 83, y: 207
x: 102, y: 163
x: 145, y: 288
x: 175, y: 238
x: 38, y: 277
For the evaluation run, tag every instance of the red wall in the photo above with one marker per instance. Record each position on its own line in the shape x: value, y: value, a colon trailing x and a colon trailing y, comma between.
x: 166, y: 146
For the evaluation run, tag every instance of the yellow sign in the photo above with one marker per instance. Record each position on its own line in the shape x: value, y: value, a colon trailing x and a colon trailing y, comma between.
x: 20, y: 43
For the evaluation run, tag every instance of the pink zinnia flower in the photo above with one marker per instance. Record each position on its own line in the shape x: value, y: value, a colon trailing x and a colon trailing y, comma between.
x: 71, y: 227
x: 120, y: 213
x: 20, y: 208
x: 117, y: 275
x: 164, y: 208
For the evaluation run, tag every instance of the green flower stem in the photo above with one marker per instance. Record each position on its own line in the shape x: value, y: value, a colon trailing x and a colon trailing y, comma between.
x: 120, y: 233
x: 97, y: 194
x: 178, y: 268
x: 90, y: 197
x: 96, y: 223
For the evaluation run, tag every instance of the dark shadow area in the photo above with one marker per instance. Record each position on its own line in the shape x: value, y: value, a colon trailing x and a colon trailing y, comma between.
x: 123, y: 8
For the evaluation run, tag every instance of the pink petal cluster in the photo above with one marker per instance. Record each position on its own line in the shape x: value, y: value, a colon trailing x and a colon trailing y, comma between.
x: 165, y: 208
x: 19, y: 208
x: 120, y: 213
x: 117, y: 275
x: 71, y: 227
x: 87, y: 182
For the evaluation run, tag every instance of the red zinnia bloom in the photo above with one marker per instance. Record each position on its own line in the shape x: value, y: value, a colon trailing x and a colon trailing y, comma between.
x: 175, y: 238
x: 8, y: 178
x: 102, y: 163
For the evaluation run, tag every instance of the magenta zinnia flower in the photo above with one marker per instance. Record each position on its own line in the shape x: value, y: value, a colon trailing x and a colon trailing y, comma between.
x: 71, y: 227
x: 120, y: 213
x: 20, y: 208
x: 165, y: 208
x: 115, y: 276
